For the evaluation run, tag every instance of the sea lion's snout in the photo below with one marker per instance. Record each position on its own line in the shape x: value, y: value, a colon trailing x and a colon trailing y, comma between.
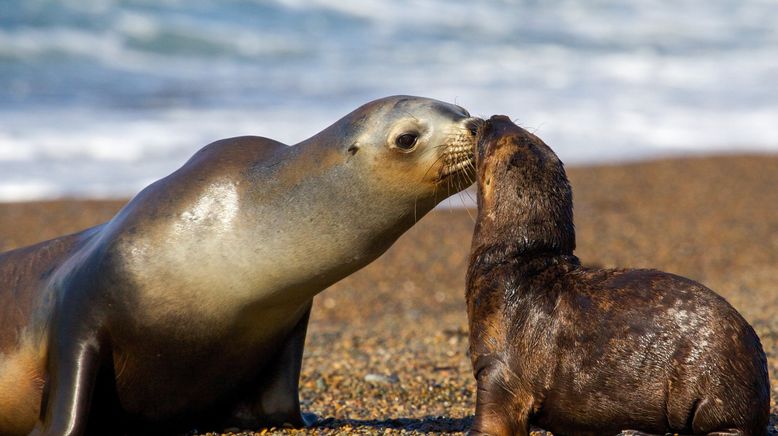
x: 483, y: 137
x: 496, y: 126
x: 458, y: 154
x: 491, y: 131
x: 509, y: 158
x: 500, y: 119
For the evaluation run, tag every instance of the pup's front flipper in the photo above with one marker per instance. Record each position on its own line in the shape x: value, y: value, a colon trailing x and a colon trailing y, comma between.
x: 499, y: 409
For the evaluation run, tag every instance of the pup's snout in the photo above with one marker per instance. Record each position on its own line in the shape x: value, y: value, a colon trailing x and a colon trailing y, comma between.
x: 491, y: 130
x: 498, y: 118
x: 491, y: 125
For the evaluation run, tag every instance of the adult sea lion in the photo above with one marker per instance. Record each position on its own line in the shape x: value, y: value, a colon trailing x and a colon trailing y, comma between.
x: 189, y: 308
x: 582, y: 351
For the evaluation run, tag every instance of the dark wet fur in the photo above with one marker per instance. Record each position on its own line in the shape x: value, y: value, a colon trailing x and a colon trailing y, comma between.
x: 581, y: 351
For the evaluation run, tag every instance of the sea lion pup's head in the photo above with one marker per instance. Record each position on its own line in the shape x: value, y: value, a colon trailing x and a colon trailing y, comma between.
x: 417, y: 148
x: 525, y: 203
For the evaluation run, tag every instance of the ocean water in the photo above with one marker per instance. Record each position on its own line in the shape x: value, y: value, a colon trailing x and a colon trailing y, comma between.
x: 100, y: 97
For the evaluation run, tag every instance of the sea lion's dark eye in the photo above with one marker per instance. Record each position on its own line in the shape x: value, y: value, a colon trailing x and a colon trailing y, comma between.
x: 406, y: 141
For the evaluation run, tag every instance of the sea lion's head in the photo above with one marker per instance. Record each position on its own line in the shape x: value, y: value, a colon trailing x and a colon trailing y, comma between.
x: 524, y: 197
x: 417, y: 148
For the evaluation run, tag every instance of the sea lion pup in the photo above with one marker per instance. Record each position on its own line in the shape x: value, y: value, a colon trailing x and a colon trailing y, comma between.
x: 581, y: 351
x: 189, y: 308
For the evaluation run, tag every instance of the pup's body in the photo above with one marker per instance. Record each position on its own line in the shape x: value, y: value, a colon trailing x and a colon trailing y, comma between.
x: 586, y: 351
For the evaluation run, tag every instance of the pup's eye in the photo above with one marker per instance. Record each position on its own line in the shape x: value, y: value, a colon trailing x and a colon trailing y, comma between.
x: 406, y: 141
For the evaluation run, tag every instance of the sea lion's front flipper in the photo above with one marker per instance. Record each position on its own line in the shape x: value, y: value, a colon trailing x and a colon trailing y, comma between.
x: 72, y: 365
x: 276, y: 402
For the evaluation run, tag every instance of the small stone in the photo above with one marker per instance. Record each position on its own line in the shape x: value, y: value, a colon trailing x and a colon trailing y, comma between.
x: 380, y: 379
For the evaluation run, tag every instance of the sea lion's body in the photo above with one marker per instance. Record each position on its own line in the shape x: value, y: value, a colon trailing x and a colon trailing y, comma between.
x: 189, y: 308
x: 580, y: 351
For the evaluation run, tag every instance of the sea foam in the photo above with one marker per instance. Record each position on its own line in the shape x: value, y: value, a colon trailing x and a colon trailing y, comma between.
x: 103, y: 97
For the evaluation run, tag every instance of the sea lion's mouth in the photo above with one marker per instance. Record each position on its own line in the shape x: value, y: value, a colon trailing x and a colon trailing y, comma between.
x: 459, y: 155
x: 455, y: 159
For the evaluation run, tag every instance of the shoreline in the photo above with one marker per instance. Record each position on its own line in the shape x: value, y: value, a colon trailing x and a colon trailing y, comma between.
x: 638, y: 160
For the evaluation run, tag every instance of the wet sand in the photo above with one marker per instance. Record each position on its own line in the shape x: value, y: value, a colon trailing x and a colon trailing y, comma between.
x: 386, y: 348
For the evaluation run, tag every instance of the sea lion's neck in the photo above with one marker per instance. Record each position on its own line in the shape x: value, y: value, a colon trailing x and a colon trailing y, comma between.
x: 284, y: 222
x: 318, y: 196
x: 517, y: 255
x: 512, y: 280
x: 515, y: 235
x: 525, y: 222
x: 522, y: 262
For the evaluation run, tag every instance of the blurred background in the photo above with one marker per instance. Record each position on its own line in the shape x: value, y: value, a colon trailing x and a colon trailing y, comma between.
x: 100, y: 97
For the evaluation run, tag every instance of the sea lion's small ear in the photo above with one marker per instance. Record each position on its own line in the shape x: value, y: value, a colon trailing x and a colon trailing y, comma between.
x: 353, y: 149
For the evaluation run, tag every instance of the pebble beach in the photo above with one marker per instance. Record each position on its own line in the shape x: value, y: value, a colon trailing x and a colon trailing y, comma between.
x: 386, y: 349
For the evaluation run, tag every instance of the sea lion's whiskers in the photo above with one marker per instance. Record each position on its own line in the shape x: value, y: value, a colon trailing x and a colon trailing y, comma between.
x: 534, y: 130
x: 471, y: 172
x: 467, y: 210
x: 448, y: 192
x: 435, y: 188
x: 470, y: 181
x: 462, y: 199
x: 435, y: 193
x: 456, y: 187
x: 432, y: 165
x: 452, y: 168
